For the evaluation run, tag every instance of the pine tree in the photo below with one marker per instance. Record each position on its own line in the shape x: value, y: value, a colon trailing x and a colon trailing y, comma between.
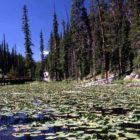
x: 119, y: 41
x: 28, y: 43
x: 4, y: 56
x: 51, y: 57
x: 101, y: 13
x: 42, y: 54
x: 92, y: 19
x: 67, y: 50
x: 134, y: 34
x: 11, y: 64
x: 20, y: 66
x: 77, y: 5
x: 86, y: 43
x: 56, y: 47
x: 103, y: 41
x: 61, y: 58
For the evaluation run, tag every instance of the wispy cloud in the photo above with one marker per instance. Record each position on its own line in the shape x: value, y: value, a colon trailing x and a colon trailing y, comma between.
x: 46, y: 52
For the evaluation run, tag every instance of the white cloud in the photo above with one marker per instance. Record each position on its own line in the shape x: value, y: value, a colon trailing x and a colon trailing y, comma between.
x: 46, y: 52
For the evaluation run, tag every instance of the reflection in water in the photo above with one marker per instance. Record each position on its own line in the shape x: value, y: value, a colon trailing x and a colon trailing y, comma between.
x: 7, y: 129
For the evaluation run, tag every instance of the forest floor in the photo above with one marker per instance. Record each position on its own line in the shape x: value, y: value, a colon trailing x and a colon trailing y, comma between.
x: 68, y: 111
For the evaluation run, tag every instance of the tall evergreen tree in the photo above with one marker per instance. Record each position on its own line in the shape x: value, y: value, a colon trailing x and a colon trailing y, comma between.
x: 76, y: 12
x: 67, y: 50
x: 102, y: 13
x: 103, y: 41
x: 28, y: 42
x: 92, y: 19
x: 11, y: 63
x: 56, y: 48
x: 87, y: 40
x: 134, y: 35
x: 42, y: 54
x: 51, y: 57
x: 61, y: 58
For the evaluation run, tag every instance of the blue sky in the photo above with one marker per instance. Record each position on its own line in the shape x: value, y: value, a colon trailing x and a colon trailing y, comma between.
x: 40, y: 13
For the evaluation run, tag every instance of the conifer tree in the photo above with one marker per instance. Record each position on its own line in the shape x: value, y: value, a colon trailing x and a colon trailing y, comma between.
x: 51, y: 57
x: 61, y: 58
x: 28, y: 42
x: 134, y: 34
x: 11, y: 63
x: 56, y: 46
x: 67, y: 50
x: 101, y: 13
x: 77, y: 5
x: 42, y: 54
x: 92, y: 19
x: 86, y: 43
x: 103, y: 41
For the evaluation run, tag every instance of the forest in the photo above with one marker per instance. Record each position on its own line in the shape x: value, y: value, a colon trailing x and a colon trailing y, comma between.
x: 102, y: 38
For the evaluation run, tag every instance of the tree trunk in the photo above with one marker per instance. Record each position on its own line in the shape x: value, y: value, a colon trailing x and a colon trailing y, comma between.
x: 104, y: 64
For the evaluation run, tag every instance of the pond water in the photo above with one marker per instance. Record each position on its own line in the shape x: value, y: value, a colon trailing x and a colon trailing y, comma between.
x: 10, y: 123
x: 98, y: 113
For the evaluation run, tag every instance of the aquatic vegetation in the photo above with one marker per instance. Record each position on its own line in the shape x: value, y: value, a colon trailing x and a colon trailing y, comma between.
x: 64, y: 111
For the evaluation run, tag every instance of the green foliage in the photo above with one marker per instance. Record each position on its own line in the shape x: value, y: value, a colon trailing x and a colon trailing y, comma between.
x: 61, y: 60
x: 54, y: 56
x: 103, y: 40
x: 98, y: 42
x: 28, y: 43
x: 134, y: 35
x: 12, y: 72
x: 42, y: 67
x: 11, y: 63
x: 136, y: 61
x: 100, y: 112
x: 38, y: 76
x: 118, y: 82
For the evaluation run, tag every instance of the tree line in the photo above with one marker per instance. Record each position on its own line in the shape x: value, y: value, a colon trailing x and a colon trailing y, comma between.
x: 101, y: 38
x: 97, y: 40
x: 11, y: 63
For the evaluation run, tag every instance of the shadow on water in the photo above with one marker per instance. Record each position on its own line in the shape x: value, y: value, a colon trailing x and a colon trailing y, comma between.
x: 7, y: 134
x: 8, y: 121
